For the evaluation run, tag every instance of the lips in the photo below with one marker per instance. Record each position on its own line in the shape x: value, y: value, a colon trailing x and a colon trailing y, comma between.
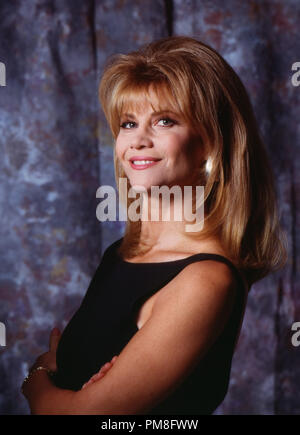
x: 135, y: 158
x: 143, y: 162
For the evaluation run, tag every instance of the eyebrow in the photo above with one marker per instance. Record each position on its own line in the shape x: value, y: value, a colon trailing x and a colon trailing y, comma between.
x: 161, y: 112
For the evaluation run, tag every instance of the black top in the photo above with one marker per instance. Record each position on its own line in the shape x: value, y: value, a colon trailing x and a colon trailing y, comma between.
x: 106, y: 321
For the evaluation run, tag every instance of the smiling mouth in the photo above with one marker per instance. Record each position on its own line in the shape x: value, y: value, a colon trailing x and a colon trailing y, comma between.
x: 142, y: 164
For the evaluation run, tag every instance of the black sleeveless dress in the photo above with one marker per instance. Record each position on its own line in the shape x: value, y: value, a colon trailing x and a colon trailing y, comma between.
x: 105, y: 322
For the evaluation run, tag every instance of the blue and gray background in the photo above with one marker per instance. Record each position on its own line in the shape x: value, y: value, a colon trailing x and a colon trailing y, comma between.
x: 56, y: 150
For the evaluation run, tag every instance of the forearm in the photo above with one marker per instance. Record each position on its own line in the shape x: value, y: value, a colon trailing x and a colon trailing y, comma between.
x: 45, y: 398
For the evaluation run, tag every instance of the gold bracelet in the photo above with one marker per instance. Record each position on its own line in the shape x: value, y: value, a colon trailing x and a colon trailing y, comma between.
x: 32, y: 371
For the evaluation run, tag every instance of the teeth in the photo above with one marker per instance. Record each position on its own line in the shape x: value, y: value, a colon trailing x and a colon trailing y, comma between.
x: 142, y: 162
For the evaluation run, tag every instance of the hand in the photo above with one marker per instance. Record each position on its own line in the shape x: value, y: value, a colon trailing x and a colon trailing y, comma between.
x: 48, y: 359
x: 102, y: 372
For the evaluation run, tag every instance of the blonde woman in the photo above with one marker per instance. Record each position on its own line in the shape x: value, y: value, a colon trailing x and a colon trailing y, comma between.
x: 163, y: 312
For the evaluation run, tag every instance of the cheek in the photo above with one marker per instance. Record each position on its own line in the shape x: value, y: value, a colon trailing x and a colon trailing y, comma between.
x: 195, y: 151
x: 181, y: 150
x: 175, y: 147
x: 119, y: 149
x: 187, y: 155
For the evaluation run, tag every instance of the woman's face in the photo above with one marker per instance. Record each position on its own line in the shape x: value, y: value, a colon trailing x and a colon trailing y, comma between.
x: 158, y: 148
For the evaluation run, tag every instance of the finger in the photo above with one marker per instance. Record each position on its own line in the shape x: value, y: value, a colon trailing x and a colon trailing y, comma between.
x: 92, y: 380
x: 96, y: 377
x: 99, y: 375
x: 105, y: 368
x: 54, y: 339
x: 102, y: 368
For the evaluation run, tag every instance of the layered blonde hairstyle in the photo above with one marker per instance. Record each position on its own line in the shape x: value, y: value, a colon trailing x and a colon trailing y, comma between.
x: 240, y: 196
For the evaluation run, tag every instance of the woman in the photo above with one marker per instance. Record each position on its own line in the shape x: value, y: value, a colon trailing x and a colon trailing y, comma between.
x: 165, y: 306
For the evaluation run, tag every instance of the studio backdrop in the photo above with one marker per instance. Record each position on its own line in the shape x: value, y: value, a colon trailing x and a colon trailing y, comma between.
x: 56, y: 150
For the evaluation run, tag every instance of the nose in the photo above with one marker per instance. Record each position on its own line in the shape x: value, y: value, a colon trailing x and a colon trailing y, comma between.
x: 141, y: 139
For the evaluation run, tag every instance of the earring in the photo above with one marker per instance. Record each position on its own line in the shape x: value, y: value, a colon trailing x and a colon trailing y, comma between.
x: 208, y: 166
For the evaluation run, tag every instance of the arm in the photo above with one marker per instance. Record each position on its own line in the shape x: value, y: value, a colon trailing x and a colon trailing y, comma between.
x: 186, y: 320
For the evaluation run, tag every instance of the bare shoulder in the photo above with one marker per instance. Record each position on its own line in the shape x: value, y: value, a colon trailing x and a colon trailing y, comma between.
x: 212, y: 270
x: 204, y: 282
x: 186, y: 319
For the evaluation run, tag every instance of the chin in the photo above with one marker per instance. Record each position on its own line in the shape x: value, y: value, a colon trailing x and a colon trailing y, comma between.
x: 145, y: 184
x: 140, y: 188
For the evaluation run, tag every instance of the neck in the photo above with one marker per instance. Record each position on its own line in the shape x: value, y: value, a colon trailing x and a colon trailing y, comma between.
x: 166, y: 222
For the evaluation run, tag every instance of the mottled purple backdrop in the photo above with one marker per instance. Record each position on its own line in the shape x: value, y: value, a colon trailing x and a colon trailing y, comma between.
x: 56, y: 150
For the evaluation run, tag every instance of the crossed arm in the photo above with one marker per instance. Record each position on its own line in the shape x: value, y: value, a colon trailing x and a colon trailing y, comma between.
x: 186, y: 320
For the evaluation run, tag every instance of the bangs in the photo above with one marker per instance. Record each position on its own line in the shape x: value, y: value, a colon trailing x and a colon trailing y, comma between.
x: 135, y: 96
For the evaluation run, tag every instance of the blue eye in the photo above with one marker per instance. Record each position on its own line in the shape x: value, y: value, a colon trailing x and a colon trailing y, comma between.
x: 166, y: 122
x: 127, y: 124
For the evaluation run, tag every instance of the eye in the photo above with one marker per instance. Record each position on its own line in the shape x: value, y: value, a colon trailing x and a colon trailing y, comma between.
x: 166, y: 122
x: 127, y: 124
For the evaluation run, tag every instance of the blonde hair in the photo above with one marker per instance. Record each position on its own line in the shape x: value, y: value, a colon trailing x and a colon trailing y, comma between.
x: 239, y: 193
